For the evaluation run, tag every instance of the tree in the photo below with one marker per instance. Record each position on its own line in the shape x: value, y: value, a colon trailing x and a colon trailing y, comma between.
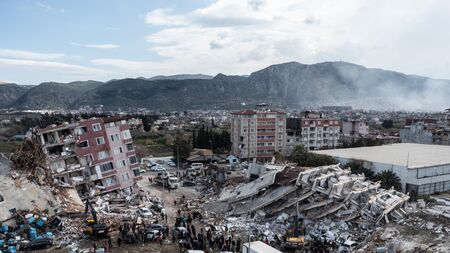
x: 183, y: 145
x: 357, y: 167
x: 204, y: 137
x: 388, y: 123
x: 304, y: 158
x: 389, y: 179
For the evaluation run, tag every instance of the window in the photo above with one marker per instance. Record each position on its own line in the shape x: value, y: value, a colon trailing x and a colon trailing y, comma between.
x: 96, y: 127
x: 100, y: 140
x: 126, y: 134
x: 80, y: 130
x: 115, y: 137
x: 110, y: 181
x: 121, y: 163
x: 132, y: 159
x: 89, y: 159
x: 83, y: 144
x: 103, y: 154
x: 130, y: 146
x: 118, y: 150
x: 125, y: 176
x: 136, y: 172
x: 106, y: 167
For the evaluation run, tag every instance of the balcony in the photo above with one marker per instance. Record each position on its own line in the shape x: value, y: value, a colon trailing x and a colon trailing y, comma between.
x: 60, y: 141
x: 67, y: 168
x: 112, y: 187
x: 79, y: 180
x: 109, y: 173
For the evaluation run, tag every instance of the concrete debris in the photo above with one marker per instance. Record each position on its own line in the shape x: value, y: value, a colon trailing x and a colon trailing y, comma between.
x: 333, y: 206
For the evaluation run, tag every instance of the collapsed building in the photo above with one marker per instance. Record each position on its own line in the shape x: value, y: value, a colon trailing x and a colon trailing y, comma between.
x: 327, y: 194
x: 96, y: 156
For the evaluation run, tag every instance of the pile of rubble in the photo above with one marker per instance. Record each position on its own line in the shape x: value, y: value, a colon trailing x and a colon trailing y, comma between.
x: 332, y: 204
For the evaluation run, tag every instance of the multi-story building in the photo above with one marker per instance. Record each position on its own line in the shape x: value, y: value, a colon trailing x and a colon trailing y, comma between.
x: 354, y: 128
x: 423, y: 133
x: 258, y: 133
x: 96, y: 156
x: 313, y: 131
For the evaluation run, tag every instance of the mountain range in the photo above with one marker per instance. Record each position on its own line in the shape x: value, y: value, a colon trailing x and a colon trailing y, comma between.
x: 286, y: 85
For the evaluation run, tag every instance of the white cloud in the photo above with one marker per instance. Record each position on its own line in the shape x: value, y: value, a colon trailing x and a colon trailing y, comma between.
x: 136, y: 68
x: 98, y: 46
x: 163, y: 17
x: 49, y: 65
x: 22, y: 54
x: 50, y: 8
x: 237, y: 36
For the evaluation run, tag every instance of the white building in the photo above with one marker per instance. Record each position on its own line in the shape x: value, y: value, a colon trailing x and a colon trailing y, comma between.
x: 416, y: 133
x: 355, y: 128
x: 313, y: 132
x: 422, y: 169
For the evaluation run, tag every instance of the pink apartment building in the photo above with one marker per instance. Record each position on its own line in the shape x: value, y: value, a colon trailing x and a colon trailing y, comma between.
x: 96, y: 156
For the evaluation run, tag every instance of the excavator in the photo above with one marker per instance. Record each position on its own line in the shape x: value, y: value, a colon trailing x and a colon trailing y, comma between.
x: 94, y: 230
x: 295, y: 241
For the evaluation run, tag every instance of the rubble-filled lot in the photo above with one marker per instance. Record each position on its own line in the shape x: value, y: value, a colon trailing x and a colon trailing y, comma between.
x: 337, y: 211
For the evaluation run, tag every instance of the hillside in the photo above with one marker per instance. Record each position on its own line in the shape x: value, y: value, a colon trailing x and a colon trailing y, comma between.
x: 289, y: 84
x: 52, y: 95
x: 10, y: 92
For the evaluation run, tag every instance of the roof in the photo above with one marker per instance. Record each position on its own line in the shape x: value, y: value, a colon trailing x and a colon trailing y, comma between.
x: 251, y: 112
x: 420, y: 155
x: 114, y: 119
x: 245, y: 112
x: 259, y: 246
x: 249, y: 189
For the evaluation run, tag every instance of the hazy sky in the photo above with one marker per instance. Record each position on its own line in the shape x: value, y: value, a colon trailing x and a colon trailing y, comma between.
x: 104, y: 39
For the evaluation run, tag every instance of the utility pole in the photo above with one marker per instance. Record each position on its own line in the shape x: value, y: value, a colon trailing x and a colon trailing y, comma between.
x: 210, y: 142
x: 178, y: 161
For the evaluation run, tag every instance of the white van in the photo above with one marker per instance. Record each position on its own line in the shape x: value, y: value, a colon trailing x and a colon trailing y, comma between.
x: 197, y: 166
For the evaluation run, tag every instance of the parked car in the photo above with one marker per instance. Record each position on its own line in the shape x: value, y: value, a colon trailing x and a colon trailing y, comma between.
x: 151, y: 235
x: 144, y: 212
x: 157, y: 168
x: 38, y: 244
x: 189, y: 183
x: 158, y: 227
x: 160, y: 161
x: 171, y: 164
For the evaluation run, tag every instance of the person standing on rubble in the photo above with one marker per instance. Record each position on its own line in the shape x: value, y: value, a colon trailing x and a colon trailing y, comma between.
x: 119, y: 241
x: 110, y: 242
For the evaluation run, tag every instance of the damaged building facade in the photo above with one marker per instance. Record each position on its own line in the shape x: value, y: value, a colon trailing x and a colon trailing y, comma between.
x: 258, y: 133
x: 96, y: 156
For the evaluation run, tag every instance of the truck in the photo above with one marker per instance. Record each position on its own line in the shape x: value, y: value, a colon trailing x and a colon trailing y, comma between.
x: 166, y: 180
x: 258, y: 247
